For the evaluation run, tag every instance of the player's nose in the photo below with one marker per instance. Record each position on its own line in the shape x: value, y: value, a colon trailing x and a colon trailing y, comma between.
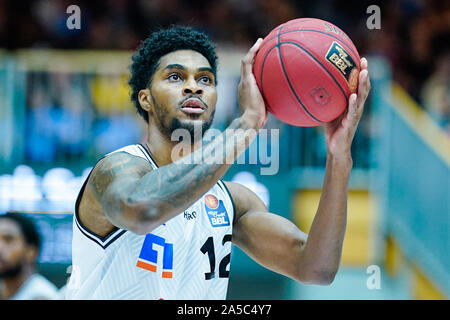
x: 191, y: 87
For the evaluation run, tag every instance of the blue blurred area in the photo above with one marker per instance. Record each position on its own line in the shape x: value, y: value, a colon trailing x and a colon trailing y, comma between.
x: 411, y: 154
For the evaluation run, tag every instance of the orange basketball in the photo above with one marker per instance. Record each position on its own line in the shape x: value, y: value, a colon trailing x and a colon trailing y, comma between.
x: 306, y: 70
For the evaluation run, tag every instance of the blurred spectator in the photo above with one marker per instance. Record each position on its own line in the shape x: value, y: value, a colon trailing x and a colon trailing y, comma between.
x: 40, y: 143
x: 19, y: 249
x: 73, y: 119
x: 59, y: 116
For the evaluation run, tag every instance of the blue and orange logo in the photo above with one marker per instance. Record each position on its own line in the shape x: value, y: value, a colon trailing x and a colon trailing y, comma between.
x: 148, y: 258
x: 215, y: 209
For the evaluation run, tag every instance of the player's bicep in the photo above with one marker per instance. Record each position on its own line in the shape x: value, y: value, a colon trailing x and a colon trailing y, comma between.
x: 112, y: 181
x: 271, y: 240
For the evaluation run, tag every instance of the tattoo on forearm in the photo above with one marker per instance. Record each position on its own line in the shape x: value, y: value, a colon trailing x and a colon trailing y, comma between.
x: 173, y: 187
x: 180, y: 184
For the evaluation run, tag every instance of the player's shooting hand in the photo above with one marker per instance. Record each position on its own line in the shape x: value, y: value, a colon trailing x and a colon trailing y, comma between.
x: 340, y: 132
x: 251, y: 102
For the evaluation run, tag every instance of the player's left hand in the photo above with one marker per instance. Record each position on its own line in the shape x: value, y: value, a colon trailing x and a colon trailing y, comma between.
x: 251, y: 102
x: 339, y: 133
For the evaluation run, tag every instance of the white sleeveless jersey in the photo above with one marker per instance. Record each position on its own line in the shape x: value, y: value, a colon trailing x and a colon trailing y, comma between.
x: 188, y: 257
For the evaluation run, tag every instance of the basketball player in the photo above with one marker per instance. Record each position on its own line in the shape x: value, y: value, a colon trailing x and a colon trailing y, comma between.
x: 148, y: 226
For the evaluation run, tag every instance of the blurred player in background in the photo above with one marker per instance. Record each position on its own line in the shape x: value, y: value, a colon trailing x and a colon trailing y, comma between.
x: 19, y: 250
x: 149, y: 225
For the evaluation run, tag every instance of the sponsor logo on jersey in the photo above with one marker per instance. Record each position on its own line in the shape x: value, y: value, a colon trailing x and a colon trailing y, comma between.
x: 215, y: 209
x: 189, y: 215
x: 148, y: 258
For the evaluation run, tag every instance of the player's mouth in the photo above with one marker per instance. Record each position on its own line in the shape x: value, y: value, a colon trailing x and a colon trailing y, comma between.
x: 193, y: 106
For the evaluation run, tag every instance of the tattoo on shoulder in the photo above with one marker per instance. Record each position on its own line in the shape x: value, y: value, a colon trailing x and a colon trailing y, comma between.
x: 116, y: 165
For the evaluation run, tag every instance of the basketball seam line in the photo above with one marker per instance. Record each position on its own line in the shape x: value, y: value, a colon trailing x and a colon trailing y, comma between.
x: 261, y: 77
x: 289, y: 82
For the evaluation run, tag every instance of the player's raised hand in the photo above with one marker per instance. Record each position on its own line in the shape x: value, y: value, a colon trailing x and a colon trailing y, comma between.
x: 251, y: 102
x: 340, y: 132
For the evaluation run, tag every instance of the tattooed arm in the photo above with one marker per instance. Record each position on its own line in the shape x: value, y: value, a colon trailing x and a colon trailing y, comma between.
x: 125, y: 192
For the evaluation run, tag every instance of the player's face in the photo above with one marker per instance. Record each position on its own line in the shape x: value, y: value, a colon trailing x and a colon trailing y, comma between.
x: 12, y: 248
x: 183, y: 93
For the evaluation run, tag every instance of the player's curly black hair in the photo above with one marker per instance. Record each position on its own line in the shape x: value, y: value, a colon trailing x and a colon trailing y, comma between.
x: 160, y: 43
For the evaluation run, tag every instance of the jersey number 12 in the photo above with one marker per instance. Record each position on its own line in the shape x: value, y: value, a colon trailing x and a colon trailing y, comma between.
x: 208, y: 248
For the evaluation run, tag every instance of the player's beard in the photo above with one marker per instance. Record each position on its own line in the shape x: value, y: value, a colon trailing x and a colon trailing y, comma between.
x: 195, y: 129
x: 11, y: 272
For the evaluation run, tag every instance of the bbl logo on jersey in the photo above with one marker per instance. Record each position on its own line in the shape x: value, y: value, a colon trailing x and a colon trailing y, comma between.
x: 215, y: 209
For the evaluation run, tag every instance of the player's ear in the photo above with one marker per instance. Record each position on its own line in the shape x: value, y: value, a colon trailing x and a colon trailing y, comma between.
x: 145, y: 99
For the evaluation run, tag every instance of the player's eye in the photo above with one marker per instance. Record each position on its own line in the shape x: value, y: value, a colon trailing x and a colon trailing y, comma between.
x: 205, y: 80
x: 174, y: 77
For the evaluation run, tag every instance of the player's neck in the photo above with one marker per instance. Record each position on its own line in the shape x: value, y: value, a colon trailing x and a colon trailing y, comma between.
x: 164, y: 151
